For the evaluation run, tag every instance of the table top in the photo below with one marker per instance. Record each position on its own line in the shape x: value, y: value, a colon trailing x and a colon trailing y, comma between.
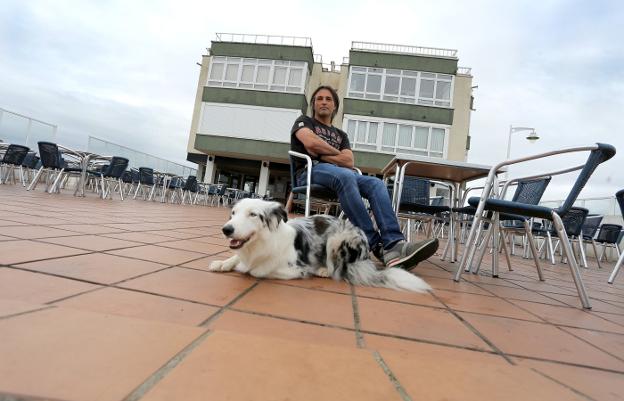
x: 437, y: 168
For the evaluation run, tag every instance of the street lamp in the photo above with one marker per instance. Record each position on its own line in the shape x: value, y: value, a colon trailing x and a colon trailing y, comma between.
x: 532, y: 137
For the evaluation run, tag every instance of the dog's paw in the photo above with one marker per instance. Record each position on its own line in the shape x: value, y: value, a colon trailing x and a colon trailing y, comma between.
x: 322, y: 272
x: 216, y: 266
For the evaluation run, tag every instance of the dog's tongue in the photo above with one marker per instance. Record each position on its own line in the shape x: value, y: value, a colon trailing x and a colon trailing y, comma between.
x: 236, y: 243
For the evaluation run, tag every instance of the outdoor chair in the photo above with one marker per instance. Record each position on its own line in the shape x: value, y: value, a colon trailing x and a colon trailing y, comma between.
x: 490, y: 202
x: 13, y: 157
x: 54, y: 165
x: 189, y: 188
x: 146, y: 182
x: 589, y: 230
x: 111, y: 174
x: 29, y: 165
x: 175, y: 186
x: 608, y: 236
x: 620, y: 198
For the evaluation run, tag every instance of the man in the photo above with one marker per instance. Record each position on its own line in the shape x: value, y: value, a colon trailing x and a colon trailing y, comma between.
x: 330, y: 150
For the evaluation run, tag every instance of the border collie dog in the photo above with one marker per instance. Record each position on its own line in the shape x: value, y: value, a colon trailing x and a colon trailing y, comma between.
x: 269, y: 245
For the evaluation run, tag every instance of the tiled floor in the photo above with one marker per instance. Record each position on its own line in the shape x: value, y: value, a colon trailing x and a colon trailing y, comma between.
x: 111, y: 300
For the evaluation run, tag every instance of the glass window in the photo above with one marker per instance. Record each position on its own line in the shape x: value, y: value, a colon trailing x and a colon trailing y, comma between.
x: 437, y: 140
x: 389, y: 134
x: 426, y: 88
x: 357, y: 82
x: 443, y: 90
x: 263, y: 74
x: 373, y: 83
x: 294, y: 78
x: 231, y: 72
x: 279, y: 75
x: 408, y: 86
x: 421, y: 137
x: 392, y: 85
x: 372, y: 132
x: 216, y: 71
x: 351, y: 130
x: 247, y: 74
x: 361, y: 132
x: 405, y: 136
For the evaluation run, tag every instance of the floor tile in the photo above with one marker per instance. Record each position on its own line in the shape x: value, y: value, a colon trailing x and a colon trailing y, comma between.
x: 195, y: 246
x: 147, y: 238
x: 450, y: 285
x: 140, y: 305
x: 609, y: 342
x: 299, y: 304
x: 426, y: 299
x: 541, y: 341
x: 417, y: 322
x: 97, y: 267
x: 519, y: 293
x: 273, y: 369
x: 49, y: 350
x: 37, y: 288
x: 482, y: 304
x: 317, y: 283
x: 158, y: 254
x: 26, y: 251
x: 35, y: 232
x: 599, y: 385
x: 88, y: 228
x: 12, y: 307
x: 248, y: 323
x: 92, y: 242
x: 210, y: 288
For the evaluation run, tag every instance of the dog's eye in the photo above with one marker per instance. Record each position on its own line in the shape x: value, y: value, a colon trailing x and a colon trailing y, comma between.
x: 252, y: 214
x: 233, y: 213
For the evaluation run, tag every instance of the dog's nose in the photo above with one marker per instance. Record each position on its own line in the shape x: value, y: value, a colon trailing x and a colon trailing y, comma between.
x: 228, y: 230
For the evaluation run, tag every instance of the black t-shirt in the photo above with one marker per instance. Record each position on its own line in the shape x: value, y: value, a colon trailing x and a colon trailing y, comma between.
x: 330, y: 134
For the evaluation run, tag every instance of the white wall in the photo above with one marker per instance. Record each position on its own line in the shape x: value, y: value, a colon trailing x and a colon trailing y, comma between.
x: 249, y: 122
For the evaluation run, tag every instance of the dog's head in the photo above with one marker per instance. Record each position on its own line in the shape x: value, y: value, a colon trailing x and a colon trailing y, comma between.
x: 250, y: 218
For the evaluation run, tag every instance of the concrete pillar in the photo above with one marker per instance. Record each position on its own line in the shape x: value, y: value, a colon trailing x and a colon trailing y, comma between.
x: 210, y: 169
x: 263, y: 181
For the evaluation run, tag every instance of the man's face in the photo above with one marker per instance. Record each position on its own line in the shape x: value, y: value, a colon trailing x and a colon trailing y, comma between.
x: 324, y: 104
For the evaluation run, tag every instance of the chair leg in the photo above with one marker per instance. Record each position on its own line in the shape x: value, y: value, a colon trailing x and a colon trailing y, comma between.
x: 35, y: 180
x: 616, y: 269
x: 551, y: 249
x: 503, y: 244
x: 481, y: 249
x: 596, y: 253
x: 531, y: 241
x: 582, y: 248
x: 567, y: 248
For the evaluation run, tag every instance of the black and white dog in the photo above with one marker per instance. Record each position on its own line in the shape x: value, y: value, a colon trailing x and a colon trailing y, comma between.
x: 268, y: 245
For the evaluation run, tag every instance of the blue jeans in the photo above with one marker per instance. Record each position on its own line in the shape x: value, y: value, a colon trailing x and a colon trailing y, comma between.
x: 351, y: 187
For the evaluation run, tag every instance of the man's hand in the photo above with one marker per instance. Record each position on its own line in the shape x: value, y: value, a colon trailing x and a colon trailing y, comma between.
x: 315, y: 145
x: 344, y: 159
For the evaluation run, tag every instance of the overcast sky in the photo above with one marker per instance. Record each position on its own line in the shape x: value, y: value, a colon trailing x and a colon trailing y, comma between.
x: 126, y: 71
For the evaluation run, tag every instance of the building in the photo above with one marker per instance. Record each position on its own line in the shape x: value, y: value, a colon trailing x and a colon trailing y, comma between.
x: 395, y: 99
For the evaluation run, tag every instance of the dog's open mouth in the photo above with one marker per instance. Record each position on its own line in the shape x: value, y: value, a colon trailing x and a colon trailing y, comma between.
x: 237, y: 243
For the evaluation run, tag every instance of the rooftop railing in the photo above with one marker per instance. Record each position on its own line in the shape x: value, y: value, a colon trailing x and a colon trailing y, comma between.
x: 464, y: 71
x: 264, y: 39
x: 403, y: 49
x: 25, y: 130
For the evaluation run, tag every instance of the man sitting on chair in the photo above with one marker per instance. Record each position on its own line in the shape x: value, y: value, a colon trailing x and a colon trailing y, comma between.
x: 332, y: 157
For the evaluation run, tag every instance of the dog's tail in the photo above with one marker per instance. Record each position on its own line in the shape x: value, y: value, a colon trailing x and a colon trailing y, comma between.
x: 364, y: 272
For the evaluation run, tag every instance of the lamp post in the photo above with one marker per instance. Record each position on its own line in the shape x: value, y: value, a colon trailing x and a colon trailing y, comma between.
x: 532, y: 137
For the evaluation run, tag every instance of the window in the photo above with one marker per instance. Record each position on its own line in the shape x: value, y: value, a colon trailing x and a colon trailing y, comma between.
x: 396, y: 136
x: 401, y: 86
x: 258, y: 74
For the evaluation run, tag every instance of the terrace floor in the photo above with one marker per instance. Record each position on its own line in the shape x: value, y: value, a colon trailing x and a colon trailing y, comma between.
x: 111, y: 300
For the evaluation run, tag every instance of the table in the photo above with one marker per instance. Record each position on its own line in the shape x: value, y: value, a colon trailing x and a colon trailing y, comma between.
x: 453, y: 172
x: 84, y: 158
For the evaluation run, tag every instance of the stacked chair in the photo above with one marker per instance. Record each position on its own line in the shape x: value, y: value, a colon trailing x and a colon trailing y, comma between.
x: 12, y: 159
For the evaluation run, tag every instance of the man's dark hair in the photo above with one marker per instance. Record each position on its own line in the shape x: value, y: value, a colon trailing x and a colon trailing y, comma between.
x: 334, y: 95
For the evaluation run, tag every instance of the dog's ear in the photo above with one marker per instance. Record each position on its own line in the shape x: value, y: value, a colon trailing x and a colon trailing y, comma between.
x: 275, y: 214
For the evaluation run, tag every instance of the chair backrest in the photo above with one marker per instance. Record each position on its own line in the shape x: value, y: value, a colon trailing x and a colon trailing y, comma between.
x: 15, y: 154
x: 176, y: 182
x: 146, y: 175
x: 30, y: 161
x: 190, y: 184
x: 619, y: 195
x: 126, y: 176
x: 415, y: 191
x: 591, y: 225
x: 601, y: 154
x: 293, y: 166
x: 573, y: 221
x: 530, y: 191
x: 50, y: 155
x: 116, y: 167
x: 222, y: 190
x: 609, y: 233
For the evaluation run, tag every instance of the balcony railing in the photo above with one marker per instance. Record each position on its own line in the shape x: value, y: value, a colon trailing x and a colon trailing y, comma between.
x: 464, y: 71
x: 403, y: 49
x: 264, y: 39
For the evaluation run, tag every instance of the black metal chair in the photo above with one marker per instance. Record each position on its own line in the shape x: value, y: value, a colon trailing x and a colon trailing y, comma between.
x: 189, y: 188
x: 146, y: 180
x: 29, y: 165
x: 13, y: 157
x: 486, y: 203
x: 619, y: 195
x: 589, y: 230
x: 608, y: 235
x: 54, y: 165
x: 112, y: 173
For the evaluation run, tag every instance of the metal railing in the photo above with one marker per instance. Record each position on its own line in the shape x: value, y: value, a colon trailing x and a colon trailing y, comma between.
x: 137, y: 158
x: 464, y: 71
x: 24, y: 130
x: 264, y: 39
x: 404, y: 49
x: 606, y: 206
